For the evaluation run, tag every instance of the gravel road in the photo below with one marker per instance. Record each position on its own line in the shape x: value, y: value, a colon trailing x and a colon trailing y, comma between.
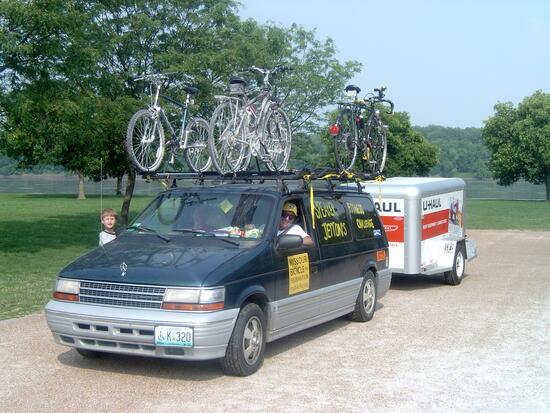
x: 482, y: 346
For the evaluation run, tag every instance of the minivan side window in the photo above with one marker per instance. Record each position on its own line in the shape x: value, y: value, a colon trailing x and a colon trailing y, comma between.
x: 330, y: 220
x: 363, y: 218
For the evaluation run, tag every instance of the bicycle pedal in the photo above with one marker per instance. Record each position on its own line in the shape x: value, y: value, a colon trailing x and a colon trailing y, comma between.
x: 172, y: 159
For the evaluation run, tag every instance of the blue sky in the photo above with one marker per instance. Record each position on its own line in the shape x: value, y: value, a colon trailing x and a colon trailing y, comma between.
x: 445, y: 62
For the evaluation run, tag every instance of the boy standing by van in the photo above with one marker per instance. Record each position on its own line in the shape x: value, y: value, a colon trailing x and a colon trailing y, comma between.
x: 108, y: 220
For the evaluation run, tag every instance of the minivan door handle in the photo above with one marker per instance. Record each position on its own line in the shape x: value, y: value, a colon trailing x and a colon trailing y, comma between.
x: 314, y: 270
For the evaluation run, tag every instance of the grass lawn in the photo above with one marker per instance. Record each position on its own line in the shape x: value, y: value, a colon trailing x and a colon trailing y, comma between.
x: 43, y: 233
x: 498, y: 214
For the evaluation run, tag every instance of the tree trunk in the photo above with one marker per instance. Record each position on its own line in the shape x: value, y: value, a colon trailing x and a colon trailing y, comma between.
x: 547, y: 184
x: 128, y: 197
x: 119, y: 184
x: 81, y: 194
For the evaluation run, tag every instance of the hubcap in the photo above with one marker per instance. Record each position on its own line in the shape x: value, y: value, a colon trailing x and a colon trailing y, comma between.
x: 368, y: 295
x: 252, y: 340
x: 459, y: 264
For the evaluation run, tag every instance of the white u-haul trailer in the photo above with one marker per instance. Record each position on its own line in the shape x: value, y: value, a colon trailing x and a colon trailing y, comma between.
x: 424, y: 220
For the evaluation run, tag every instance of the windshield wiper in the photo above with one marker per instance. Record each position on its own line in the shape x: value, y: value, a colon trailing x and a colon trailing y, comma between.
x: 207, y: 234
x: 194, y: 231
x: 151, y: 230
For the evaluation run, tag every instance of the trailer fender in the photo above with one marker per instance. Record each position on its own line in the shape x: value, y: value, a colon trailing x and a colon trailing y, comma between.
x: 471, y: 249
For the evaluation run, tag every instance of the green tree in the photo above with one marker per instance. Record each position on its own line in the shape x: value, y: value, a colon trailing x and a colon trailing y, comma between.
x: 519, y: 141
x: 462, y: 151
x: 409, y: 153
x: 66, y: 69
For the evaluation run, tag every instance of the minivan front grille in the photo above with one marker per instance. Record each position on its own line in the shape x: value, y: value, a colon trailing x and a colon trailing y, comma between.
x: 121, y: 295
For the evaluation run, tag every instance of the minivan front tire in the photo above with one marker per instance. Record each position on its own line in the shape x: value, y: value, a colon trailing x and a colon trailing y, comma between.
x: 366, y: 299
x: 246, y: 347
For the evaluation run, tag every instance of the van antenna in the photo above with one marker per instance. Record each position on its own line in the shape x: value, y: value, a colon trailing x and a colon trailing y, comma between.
x: 100, y: 191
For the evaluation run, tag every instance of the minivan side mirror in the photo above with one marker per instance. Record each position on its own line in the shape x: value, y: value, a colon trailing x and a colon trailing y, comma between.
x: 288, y: 242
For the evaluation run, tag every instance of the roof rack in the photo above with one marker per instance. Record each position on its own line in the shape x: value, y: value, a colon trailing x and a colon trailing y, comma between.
x: 330, y: 176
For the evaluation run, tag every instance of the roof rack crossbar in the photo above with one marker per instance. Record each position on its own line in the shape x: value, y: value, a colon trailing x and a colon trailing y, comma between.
x: 330, y: 176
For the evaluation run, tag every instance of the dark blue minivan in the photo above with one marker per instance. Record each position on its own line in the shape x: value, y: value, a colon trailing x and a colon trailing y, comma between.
x: 206, y: 272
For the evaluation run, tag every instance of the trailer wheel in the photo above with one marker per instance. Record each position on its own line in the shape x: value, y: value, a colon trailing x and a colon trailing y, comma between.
x: 366, y: 300
x: 454, y: 277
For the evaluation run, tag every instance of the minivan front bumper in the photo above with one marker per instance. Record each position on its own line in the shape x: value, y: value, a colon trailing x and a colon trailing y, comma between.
x: 132, y: 331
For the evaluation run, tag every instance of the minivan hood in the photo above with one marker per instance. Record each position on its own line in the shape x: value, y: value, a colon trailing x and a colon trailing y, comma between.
x: 137, y: 261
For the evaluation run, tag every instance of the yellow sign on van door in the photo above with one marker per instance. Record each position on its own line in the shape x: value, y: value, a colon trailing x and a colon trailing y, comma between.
x: 298, y: 273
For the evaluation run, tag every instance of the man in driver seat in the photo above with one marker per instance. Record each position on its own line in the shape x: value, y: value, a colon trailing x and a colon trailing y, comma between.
x: 287, y: 223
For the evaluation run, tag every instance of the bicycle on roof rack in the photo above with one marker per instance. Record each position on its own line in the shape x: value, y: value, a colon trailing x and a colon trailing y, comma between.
x: 359, y: 130
x: 145, y: 141
x: 241, y: 127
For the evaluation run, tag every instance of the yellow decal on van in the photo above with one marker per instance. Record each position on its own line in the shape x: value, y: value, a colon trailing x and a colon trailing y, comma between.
x: 298, y: 273
x: 226, y: 206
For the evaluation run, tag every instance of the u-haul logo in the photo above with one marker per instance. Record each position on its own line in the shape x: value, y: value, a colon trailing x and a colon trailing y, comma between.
x: 431, y: 204
x: 390, y: 207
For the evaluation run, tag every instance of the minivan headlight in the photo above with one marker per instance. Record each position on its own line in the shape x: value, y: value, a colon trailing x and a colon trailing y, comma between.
x: 67, y: 290
x: 194, y: 299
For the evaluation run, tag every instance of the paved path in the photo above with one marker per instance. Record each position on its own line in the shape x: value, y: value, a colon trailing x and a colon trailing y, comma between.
x: 481, y: 346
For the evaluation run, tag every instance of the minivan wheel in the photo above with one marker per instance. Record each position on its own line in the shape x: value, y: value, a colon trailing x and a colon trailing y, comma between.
x: 366, y: 300
x: 246, y: 347
x: 454, y: 277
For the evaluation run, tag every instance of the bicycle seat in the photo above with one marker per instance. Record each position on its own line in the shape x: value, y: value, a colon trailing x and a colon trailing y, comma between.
x: 191, y: 90
x: 237, y: 85
x: 235, y: 79
x: 352, y: 87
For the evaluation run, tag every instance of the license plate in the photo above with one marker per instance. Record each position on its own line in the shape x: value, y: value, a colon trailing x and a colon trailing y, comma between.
x: 174, y: 336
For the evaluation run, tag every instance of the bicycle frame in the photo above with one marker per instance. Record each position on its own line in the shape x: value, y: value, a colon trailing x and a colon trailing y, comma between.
x: 257, y: 115
x: 159, y: 112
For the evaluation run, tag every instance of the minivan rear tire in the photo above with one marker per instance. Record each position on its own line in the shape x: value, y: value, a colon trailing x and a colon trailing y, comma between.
x: 366, y: 299
x: 246, y: 347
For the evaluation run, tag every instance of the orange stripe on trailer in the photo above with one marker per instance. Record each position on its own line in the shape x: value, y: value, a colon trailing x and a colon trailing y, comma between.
x: 434, y: 224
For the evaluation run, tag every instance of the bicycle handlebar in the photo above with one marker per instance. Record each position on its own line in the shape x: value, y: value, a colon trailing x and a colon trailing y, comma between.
x: 155, y: 76
x: 391, y: 105
x: 256, y: 69
x: 381, y: 91
x: 362, y: 104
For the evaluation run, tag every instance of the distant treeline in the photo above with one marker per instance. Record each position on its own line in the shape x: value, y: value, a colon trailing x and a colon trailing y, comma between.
x: 8, y: 166
x: 462, y: 151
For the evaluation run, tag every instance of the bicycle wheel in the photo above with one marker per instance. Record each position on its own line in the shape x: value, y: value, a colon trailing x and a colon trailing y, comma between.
x: 276, y: 140
x: 145, y: 141
x: 377, y: 146
x: 345, y: 141
x: 225, y: 140
x: 196, y: 152
x: 249, y: 131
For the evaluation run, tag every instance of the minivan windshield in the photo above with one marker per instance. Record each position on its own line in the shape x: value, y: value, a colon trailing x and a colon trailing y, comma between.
x: 236, y: 215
